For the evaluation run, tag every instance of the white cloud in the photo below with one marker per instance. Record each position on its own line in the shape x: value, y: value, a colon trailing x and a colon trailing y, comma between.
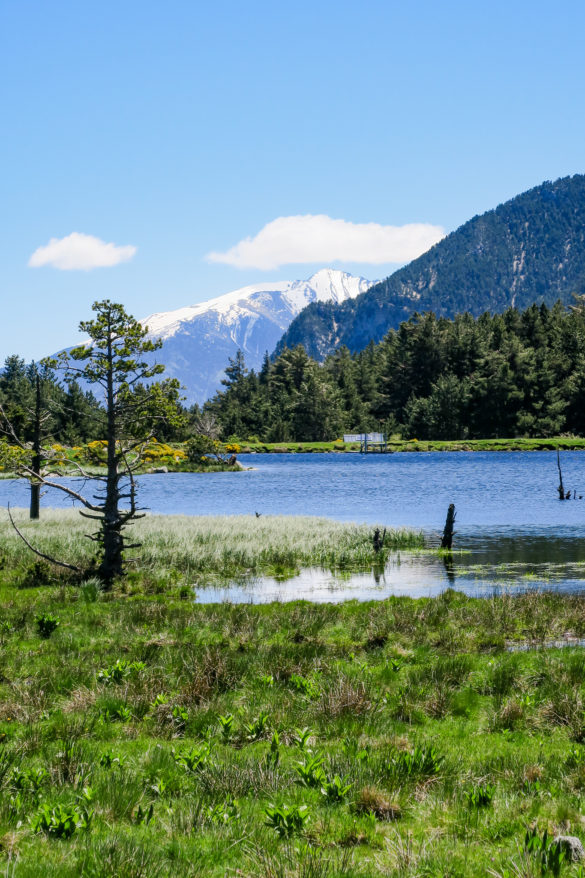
x: 319, y: 238
x: 80, y: 252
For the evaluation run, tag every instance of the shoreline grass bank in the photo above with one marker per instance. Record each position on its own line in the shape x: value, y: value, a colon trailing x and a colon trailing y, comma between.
x: 562, y: 443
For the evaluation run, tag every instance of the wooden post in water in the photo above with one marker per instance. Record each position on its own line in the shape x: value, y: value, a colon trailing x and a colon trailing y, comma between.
x: 448, y: 533
x: 378, y: 540
x: 561, y: 488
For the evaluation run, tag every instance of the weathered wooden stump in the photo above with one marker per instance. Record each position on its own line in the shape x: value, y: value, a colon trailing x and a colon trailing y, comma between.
x: 449, y: 532
x: 378, y: 540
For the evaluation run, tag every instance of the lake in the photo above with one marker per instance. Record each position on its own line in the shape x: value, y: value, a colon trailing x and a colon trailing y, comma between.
x: 514, y: 530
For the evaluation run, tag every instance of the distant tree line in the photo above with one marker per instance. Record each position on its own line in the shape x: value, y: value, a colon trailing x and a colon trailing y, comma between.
x: 71, y: 415
x: 520, y: 373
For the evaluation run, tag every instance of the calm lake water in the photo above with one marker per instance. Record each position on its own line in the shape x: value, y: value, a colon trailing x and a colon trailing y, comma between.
x: 515, y: 532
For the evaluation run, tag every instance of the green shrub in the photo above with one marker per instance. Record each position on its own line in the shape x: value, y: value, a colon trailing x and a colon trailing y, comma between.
x: 258, y: 727
x: 36, y: 574
x: 195, y: 758
x: 108, y: 760
x: 119, y: 672
x: 310, y: 772
x: 335, y: 790
x: 222, y: 813
x: 28, y: 779
x: 90, y: 590
x: 480, y: 796
x: 420, y: 762
x: 305, y: 685
x: 301, y: 738
x: 226, y: 724
x: 200, y: 445
x: 46, y: 625
x: 548, y: 854
x: 141, y: 816
x: 120, y: 714
x: 287, y: 820
x: 61, y: 821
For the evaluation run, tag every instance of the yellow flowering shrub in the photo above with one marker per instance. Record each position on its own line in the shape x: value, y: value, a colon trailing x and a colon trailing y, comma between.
x: 95, y: 452
x: 59, y: 453
x: 156, y: 451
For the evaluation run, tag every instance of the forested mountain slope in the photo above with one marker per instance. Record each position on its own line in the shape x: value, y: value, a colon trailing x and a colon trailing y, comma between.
x: 528, y: 250
x: 520, y: 373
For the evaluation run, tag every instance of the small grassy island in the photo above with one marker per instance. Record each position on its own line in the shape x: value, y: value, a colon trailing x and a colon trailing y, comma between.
x: 144, y: 734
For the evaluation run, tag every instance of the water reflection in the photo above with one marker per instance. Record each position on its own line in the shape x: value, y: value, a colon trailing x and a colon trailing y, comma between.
x: 486, y: 565
x: 512, y: 529
x: 449, y: 565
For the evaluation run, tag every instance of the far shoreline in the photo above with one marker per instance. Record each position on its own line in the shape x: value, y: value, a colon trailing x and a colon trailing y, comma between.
x: 408, y: 446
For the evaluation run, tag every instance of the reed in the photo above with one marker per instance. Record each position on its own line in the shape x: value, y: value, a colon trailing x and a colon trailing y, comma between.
x: 211, y: 544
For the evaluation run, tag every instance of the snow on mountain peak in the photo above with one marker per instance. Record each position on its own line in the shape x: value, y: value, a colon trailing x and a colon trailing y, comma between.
x: 324, y: 286
x: 199, y: 339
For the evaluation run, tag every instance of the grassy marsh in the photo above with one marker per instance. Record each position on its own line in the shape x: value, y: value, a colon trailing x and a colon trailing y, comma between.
x: 142, y: 734
x: 187, y: 546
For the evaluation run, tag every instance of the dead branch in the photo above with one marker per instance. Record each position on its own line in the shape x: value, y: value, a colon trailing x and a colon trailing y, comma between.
x: 37, y: 552
x: 449, y: 531
x: 71, y: 493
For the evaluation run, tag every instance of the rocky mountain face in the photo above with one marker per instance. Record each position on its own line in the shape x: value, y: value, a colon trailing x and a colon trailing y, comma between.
x: 530, y: 249
x: 199, y: 339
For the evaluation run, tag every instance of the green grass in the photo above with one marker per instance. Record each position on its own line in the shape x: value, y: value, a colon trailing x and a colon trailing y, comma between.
x: 147, y: 735
x: 410, y: 445
x: 193, y: 547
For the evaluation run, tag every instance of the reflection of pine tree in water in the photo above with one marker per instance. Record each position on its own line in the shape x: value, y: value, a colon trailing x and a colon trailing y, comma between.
x: 378, y: 544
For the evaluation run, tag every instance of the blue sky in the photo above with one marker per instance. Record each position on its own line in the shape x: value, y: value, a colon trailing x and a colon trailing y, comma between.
x: 181, y: 129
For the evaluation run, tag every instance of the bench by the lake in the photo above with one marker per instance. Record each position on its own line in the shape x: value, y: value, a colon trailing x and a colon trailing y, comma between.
x: 368, y: 441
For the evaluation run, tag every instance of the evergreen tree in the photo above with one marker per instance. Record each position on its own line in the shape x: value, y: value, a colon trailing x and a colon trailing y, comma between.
x: 517, y: 373
x: 113, y: 362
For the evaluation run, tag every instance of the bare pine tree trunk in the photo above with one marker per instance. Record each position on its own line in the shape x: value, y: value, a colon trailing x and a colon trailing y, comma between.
x: 112, y: 563
x: 35, y: 486
x: 35, y: 500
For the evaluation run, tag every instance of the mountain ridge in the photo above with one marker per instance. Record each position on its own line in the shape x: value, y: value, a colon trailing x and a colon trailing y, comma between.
x: 528, y: 249
x: 198, y: 340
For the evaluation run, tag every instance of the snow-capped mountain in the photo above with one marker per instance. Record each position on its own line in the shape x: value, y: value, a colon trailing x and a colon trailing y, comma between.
x: 199, y: 339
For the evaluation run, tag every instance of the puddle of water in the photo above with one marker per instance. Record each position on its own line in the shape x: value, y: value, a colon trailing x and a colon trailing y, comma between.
x: 486, y: 567
x: 567, y: 643
x: 485, y: 562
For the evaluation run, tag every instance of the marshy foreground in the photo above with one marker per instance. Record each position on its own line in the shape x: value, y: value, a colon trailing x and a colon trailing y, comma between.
x: 143, y: 734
